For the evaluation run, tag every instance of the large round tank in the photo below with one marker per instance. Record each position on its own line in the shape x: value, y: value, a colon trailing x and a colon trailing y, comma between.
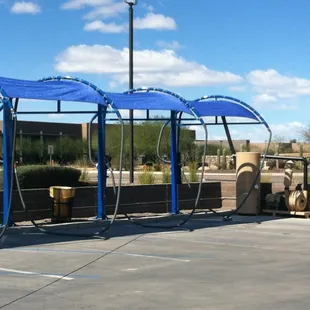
x: 247, y: 167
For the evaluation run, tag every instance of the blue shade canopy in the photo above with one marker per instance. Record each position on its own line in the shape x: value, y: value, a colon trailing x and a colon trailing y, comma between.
x: 225, y: 106
x: 69, y: 89
x: 148, y: 101
x: 64, y: 90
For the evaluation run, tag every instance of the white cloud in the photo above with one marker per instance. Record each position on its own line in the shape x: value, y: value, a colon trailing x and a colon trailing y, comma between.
x: 150, y: 21
x: 24, y: 7
x: 174, y: 45
x: 264, y: 98
x: 271, y: 102
x: 136, y: 114
x: 98, y: 25
x: 151, y: 67
x: 272, y: 83
x: 148, y: 7
x: 238, y: 88
x: 155, y: 21
x: 290, y: 130
x: 79, y: 4
x: 107, y: 11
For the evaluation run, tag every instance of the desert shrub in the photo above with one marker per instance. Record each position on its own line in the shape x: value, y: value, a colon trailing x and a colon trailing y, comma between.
x: 39, y: 176
x: 166, y: 176
x: 193, y: 172
x: 147, y: 177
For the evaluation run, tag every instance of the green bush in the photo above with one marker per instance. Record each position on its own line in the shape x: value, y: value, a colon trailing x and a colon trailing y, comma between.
x: 45, y: 176
x: 193, y: 172
x: 146, y: 177
x: 166, y: 177
x: 84, y: 176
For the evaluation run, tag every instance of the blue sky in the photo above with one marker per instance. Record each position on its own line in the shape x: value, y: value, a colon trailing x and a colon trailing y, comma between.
x: 255, y: 50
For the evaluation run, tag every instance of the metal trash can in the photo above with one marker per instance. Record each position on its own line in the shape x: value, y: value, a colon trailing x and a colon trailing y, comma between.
x: 63, y: 197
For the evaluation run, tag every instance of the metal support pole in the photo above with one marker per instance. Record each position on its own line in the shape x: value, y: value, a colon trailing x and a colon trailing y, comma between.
x: 179, y: 178
x: 20, y: 146
x: 16, y: 104
x: 174, y: 164
x: 102, y: 173
x: 41, y: 146
x: 7, y: 161
x: 131, y: 114
x: 60, y: 145
x: 231, y: 145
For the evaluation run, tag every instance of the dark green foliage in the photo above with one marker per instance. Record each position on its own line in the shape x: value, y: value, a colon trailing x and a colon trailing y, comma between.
x: 68, y: 150
x: 145, y: 141
x: 34, y: 150
x: 45, y: 176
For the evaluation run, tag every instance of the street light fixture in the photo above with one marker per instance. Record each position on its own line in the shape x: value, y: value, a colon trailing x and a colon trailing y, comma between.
x: 131, y: 3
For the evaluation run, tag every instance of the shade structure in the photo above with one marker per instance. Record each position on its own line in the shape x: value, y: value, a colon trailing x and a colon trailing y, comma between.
x: 78, y: 90
x: 225, y: 106
x: 63, y: 90
x: 73, y: 89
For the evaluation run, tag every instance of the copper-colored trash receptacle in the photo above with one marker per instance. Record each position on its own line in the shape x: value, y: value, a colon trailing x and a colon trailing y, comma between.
x: 247, y: 167
x: 63, y: 197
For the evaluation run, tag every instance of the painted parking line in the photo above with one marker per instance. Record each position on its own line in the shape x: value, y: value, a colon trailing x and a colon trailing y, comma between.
x: 49, y: 250
x: 14, y: 271
x: 153, y: 256
x: 213, y: 242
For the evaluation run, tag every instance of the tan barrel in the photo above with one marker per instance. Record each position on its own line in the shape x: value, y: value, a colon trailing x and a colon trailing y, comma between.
x: 62, y: 195
x: 247, y: 166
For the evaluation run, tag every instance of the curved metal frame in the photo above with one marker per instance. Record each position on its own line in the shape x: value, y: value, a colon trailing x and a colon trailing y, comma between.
x: 175, y: 165
x: 7, y: 147
x: 164, y: 91
x: 239, y: 102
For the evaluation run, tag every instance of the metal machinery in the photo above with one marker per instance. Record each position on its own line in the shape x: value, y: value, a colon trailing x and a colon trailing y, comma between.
x: 291, y: 200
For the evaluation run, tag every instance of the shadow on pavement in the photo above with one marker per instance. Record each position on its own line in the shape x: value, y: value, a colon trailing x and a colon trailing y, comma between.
x: 20, y: 237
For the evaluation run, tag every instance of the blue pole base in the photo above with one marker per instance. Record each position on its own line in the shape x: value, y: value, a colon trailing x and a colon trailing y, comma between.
x: 101, y: 218
x: 175, y: 213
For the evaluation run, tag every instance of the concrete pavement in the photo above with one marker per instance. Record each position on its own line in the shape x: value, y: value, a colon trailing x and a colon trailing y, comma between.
x: 241, y: 264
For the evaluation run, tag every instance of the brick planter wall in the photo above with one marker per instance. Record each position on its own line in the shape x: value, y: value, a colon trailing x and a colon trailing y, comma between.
x: 134, y: 199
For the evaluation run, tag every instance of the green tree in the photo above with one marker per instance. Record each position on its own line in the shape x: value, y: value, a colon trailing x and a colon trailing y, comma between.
x: 146, y: 136
x: 305, y: 133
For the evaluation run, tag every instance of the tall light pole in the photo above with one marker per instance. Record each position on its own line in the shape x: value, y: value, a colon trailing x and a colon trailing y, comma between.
x: 131, y: 3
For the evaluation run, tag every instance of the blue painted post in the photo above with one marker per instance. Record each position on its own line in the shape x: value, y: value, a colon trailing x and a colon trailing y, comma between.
x: 7, y: 161
x: 174, y: 164
x: 102, y: 172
